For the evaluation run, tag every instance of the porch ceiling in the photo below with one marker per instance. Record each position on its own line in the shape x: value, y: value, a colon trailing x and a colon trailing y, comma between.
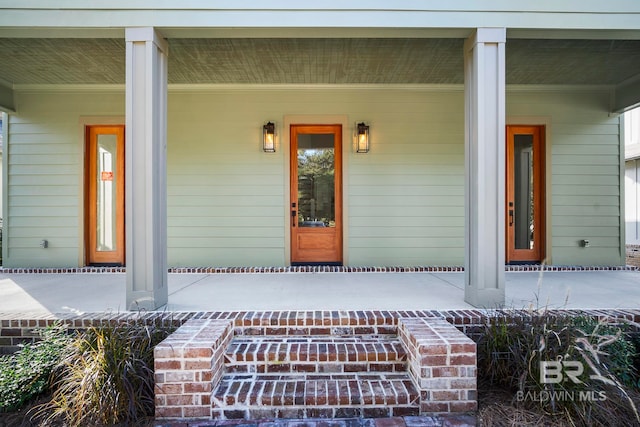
x: 318, y: 61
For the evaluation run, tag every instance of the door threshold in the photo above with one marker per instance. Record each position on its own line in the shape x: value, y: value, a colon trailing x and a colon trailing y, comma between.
x: 316, y: 264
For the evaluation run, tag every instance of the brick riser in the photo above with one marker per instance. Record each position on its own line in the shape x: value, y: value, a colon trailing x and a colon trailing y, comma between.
x: 315, y: 396
x: 315, y: 355
x: 316, y: 376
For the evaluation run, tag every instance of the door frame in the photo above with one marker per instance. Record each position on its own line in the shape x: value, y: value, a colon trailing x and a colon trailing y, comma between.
x: 283, y: 137
x: 541, y: 169
x: 89, y: 201
x: 337, y: 192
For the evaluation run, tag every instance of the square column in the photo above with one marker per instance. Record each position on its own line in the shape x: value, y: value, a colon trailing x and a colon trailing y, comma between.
x: 484, y: 63
x: 146, y: 170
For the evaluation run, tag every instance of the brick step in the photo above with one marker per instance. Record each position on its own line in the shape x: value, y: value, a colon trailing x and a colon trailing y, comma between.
x: 257, y: 396
x: 315, y: 354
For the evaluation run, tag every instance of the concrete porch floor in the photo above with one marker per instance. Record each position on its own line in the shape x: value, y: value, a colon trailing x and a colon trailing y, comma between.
x: 41, y: 294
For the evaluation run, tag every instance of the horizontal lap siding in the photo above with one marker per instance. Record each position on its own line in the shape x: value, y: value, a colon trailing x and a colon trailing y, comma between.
x: 404, y: 201
x: 406, y: 204
x: 227, y: 200
x: 585, y: 173
x: 225, y: 196
x: 45, y: 161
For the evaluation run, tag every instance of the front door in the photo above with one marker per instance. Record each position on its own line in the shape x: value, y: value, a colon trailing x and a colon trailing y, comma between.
x: 525, y: 194
x: 316, y: 194
x: 105, y: 195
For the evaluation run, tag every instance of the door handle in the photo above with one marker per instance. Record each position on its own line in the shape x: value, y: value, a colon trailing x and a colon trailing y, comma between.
x: 293, y: 218
x: 510, y: 217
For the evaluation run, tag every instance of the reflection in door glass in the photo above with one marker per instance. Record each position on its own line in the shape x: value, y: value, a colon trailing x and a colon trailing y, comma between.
x: 523, y: 191
x: 316, y: 165
x: 106, y: 194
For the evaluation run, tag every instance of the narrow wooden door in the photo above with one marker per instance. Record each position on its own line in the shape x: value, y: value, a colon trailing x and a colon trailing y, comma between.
x: 316, y: 194
x: 104, y: 182
x: 525, y: 212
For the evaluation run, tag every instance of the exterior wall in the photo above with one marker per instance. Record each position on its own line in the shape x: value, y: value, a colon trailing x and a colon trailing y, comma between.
x: 583, y: 172
x: 227, y: 199
x: 632, y: 176
x: 45, y: 160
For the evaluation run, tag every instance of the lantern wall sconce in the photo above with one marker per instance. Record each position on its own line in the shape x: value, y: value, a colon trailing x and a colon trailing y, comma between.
x: 269, y: 138
x: 362, y: 138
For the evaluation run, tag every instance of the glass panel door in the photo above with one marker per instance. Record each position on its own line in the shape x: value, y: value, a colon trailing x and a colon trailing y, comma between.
x: 105, y: 195
x: 525, y: 194
x: 316, y: 194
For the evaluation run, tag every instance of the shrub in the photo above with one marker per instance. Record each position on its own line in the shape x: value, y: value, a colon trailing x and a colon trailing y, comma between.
x: 108, y: 377
x: 593, y: 366
x: 25, y: 374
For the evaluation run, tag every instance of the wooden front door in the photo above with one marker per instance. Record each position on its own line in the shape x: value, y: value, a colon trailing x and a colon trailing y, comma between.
x: 525, y: 212
x: 316, y: 194
x: 104, y: 184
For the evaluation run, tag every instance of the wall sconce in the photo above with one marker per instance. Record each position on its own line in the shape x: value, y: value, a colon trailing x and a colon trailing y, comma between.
x: 269, y: 138
x: 362, y: 138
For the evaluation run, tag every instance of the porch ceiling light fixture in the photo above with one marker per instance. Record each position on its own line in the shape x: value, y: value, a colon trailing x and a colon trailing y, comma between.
x: 269, y: 138
x: 362, y: 138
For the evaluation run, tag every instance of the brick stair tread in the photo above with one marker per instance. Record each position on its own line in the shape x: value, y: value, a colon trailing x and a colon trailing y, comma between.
x: 276, y: 349
x: 302, y: 390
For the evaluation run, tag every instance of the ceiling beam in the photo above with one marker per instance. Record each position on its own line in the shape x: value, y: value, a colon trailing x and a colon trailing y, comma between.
x: 627, y: 95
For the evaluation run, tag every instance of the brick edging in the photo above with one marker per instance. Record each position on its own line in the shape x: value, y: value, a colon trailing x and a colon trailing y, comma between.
x: 16, y: 329
x: 314, y: 269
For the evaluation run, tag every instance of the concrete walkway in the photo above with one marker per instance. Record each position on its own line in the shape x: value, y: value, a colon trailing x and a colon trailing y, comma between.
x: 90, y: 292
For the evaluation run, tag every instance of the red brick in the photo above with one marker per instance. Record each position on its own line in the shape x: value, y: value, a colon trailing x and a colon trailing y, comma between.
x: 167, y: 364
x: 464, y: 383
x: 444, y: 371
x: 469, y: 347
x: 463, y: 406
x: 197, y: 387
x: 178, y: 376
x: 434, y: 349
x: 167, y: 412
x: 434, y: 407
x: 431, y: 360
x: 168, y: 389
x: 196, y: 412
x: 389, y: 422
x: 441, y: 395
x: 463, y: 359
x: 197, y: 353
x: 204, y: 376
x: 192, y: 365
x: 179, y: 400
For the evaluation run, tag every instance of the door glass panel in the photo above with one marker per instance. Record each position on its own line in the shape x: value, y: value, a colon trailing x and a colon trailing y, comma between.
x: 523, y: 191
x: 106, y: 192
x: 316, y: 167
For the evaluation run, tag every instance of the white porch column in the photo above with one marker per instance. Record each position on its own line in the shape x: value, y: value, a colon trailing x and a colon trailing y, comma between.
x: 146, y: 172
x: 484, y: 62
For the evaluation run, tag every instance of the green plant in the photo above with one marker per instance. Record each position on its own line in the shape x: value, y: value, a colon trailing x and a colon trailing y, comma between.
x: 25, y: 374
x: 592, y: 365
x: 108, y: 376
